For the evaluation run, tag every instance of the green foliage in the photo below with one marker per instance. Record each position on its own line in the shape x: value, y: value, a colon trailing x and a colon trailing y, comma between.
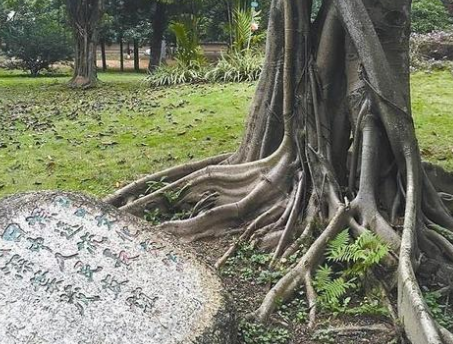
x: 154, y: 185
x: 245, y: 29
x: 188, y: 50
x: 242, y: 21
x: 156, y: 216
x: 296, y: 310
x: 255, y: 333
x: 234, y: 67
x: 440, y: 308
x: 368, y: 305
x: 172, y: 196
x: 251, y: 265
x: 359, y: 256
x: 329, y: 288
x: 429, y: 15
x: 189, y: 57
x: 349, y: 262
x: 237, y: 67
x: 35, y: 40
x: 175, y: 75
x: 323, y: 337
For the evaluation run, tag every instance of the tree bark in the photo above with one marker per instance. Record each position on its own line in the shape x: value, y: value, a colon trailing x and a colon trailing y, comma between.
x: 121, y: 54
x: 84, y: 17
x: 136, y: 56
x: 330, y: 143
x: 103, y: 57
x: 159, y: 25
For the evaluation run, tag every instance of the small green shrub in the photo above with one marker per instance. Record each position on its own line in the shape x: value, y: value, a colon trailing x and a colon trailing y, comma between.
x: 34, y: 41
x: 155, y: 215
x: 188, y: 49
x: 236, y: 67
x: 245, y: 25
x: 440, y: 309
x: 250, y: 264
x: 358, y: 256
x: 255, y: 333
x: 178, y: 74
x: 296, y: 310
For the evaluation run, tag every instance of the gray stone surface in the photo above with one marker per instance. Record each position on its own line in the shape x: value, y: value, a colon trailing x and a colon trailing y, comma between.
x: 74, y: 270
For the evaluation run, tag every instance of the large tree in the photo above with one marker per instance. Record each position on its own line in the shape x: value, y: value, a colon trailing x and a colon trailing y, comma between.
x: 330, y: 140
x: 84, y: 16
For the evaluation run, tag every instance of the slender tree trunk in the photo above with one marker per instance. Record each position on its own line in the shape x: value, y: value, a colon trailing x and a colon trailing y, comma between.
x: 159, y: 25
x: 136, y: 56
x: 104, y: 60
x: 84, y: 16
x: 449, y: 6
x: 121, y: 54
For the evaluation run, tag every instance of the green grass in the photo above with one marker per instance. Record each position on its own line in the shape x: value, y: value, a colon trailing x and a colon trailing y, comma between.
x: 432, y: 107
x: 52, y: 137
x: 95, y: 140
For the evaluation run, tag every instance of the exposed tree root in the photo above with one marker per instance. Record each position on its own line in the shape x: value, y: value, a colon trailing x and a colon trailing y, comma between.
x: 133, y: 190
x: 347, y: 330
x: 311, y: 297
x: 292, y: 280
x: 330, y: 144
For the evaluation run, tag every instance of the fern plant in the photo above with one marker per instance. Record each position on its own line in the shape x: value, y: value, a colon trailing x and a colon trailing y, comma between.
x: 348, y: 263
x: 358, y: 256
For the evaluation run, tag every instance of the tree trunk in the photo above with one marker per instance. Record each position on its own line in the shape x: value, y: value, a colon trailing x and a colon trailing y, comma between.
x: 330, y: 144
x: 449, y: 6
x: 121, y: 54
x: 136, y: 56
x: 159, y: 25
x: 104, y: 60
x: 84, y: 16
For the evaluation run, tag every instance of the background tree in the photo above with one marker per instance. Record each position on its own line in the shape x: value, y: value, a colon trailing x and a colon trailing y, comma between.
x: 137, y: 27
x: 84, y: 16
x: 107, y: 33
x: 34, y: 35
x: 159, y: 25
x: 330, y: 143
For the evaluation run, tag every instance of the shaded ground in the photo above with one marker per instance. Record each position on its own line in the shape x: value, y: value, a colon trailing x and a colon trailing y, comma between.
x: 247, y: 278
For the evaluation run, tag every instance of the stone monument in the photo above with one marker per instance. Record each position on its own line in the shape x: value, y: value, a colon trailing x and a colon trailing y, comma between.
x: 75, y: 270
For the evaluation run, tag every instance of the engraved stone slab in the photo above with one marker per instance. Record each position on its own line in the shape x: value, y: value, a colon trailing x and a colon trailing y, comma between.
x: 74, y: 270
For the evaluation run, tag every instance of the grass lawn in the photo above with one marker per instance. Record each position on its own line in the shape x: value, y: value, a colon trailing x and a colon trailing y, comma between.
x: 96, y: 140
x: 52, y: 137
